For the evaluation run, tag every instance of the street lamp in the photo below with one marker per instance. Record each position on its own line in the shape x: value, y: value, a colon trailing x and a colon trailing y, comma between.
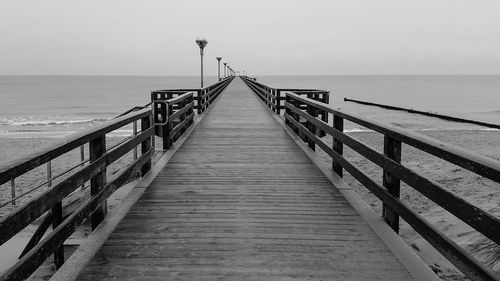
x: 202, y: 42
x: 218, y: 67
x: 225, y: 66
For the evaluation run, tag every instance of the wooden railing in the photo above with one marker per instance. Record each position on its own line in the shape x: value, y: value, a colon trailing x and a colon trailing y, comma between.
x: 173, y: 110
x: 274, y: 97
x: 301, y: 115
x: 48, y: 204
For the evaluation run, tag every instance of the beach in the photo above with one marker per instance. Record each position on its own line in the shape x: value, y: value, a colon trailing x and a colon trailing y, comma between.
x: 481, y: 192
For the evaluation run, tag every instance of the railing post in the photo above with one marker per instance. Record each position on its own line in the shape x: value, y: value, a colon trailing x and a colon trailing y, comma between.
x: 97, y: 148
x: 338, y: 147
x: 199, y: 101
x: 205, y: 99
x: 277, y: 101
x: 311, y: 127
x: 182, y: 104
x: 190, y: 111
x: 165, y: 128
x: 268, y: 97
x: 392, y: 149
x: 146, y: 144
x: 82, y: 159
x: 134, y: 133
x: 287, y: 110
x: 13, y: 191
x: 296, y: 117
x: 56, y: 213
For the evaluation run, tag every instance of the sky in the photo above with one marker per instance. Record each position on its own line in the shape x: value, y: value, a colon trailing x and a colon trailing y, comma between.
x: 268, y: 37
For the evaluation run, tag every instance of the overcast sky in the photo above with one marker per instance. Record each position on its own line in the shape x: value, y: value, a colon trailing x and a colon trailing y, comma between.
x: 119, y: 37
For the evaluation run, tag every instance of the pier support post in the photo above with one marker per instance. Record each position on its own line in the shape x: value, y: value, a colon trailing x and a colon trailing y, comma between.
x: 392, y: 149
x: 338, y: 146
x: 97, y: 148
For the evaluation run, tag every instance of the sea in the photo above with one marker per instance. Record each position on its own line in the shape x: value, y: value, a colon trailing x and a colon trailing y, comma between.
x: 52, y: 107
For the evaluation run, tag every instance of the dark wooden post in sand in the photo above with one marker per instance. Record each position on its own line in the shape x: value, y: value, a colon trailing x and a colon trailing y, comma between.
x: 97, y: 148
x: 338, y: 124
x: 392, y: 149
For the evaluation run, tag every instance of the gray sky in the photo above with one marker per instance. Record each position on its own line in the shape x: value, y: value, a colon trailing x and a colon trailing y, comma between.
x: 121, y: 37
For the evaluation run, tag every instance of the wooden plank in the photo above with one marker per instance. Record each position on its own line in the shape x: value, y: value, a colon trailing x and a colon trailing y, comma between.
x: 392, y: 150
x: 233, y: 205
x: 97, y: 148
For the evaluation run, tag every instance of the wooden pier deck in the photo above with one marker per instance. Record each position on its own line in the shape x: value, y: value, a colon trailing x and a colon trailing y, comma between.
x: 233, y: 205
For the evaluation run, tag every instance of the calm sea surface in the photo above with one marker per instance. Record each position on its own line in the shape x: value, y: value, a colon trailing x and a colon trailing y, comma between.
x: 55, y: 106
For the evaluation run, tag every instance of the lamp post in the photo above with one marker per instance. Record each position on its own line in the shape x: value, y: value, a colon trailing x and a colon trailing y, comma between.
x: 218, y: 66
x: 202, y: 42
x: 225, y: 66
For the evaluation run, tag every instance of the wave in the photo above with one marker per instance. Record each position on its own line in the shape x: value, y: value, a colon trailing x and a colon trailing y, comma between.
x: 357, y: 130
x: 34, y: 134
x: 364, y: 130
x: 48, y: 122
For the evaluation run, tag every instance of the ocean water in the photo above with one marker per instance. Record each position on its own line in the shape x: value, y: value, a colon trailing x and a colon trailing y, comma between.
x: 55, y: 106
x: 475, y: 97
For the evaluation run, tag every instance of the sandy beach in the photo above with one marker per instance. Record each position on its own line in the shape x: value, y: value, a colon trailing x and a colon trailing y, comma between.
x: 476, y: 189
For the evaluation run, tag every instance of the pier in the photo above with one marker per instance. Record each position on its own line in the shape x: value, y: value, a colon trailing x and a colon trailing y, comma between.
x: 239, y: 194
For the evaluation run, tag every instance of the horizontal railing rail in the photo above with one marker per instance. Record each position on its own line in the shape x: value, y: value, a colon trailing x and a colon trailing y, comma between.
x: 173, y: 110
x: 301, y: 115
x: 48, y: 203
x: 394, y: 172
x: 274, y: 97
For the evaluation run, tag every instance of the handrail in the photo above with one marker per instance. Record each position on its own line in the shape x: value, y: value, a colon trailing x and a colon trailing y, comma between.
x: 173, y: 110
x: 201, y: 100
x: 135, y: 108
x: 273, y: 97
x: 50, y: 200
x: 24, y: 164
x: 302, y: 116
x: 480, y: 220
x: 473, y: 162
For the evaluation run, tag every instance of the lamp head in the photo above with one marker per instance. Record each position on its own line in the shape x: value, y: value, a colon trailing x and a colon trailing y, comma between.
x: 219, y: 58
x: 202, y: 42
